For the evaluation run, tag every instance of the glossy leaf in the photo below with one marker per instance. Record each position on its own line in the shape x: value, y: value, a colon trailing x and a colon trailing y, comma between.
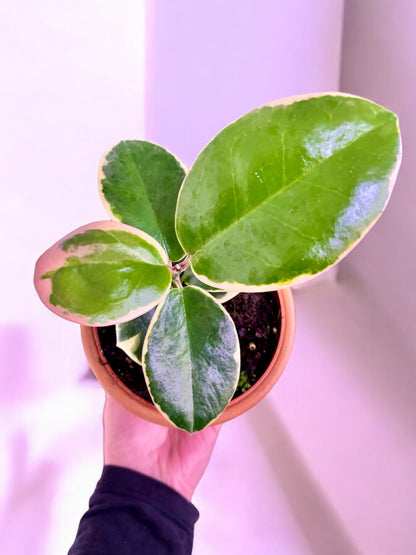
x: 285, y: 191
x: 103, y: 273
x: 191, y: 358
x: 224, y: 296
x: 189, y: 278
x: 139, y: 185
x: 131, y: 335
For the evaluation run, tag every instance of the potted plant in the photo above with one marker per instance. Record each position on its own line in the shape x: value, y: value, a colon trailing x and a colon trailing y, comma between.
x: 275, y: 199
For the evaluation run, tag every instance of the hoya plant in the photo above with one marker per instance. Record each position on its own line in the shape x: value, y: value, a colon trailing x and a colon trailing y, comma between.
x: 276, y: 198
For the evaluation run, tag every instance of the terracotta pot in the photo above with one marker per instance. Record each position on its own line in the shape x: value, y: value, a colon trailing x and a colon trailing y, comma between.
x: 135, y: 404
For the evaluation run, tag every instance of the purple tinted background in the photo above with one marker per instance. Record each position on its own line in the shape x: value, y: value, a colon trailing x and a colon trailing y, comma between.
x: 326, y: 463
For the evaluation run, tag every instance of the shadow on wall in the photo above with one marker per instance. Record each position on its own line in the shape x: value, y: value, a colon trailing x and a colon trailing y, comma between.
x: 30, y: 491
x: 16, y: 363
x: 28, y: 501
x: 323, y: 531
x: 359, y: 334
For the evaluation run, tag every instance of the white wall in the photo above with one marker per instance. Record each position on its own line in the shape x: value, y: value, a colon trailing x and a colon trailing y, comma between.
x: 208, y: 63
x: 71, y: 86
x: 378, y: 61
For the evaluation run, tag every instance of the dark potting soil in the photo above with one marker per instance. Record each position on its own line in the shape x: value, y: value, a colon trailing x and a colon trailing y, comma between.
x: 257, y: 319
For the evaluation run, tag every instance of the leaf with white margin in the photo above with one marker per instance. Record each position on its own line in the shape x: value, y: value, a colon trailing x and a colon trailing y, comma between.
x: 130, y: 335
x: 286, y: 191
x: 103, y: 273
x: 191, y: 358
x: 189, y: 278
x: 139, y: 185
x: 224, y: 296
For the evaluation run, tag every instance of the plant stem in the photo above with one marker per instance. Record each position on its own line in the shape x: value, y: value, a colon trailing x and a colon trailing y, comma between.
x: 177, y: 282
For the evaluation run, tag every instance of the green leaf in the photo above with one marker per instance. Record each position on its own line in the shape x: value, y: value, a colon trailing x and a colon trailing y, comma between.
x: 189, y: 278
x: 103, y: 273
x: 285, y: 191
x: 224, y: 296
x: 191, y: 358
x: 131, y: 335
x: 139, y: 185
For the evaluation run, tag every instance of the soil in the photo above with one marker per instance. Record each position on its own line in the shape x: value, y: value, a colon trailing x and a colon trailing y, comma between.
x: 257, y: 319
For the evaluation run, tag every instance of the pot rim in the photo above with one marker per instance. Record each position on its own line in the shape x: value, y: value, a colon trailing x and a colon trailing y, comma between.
x: 140, y: 407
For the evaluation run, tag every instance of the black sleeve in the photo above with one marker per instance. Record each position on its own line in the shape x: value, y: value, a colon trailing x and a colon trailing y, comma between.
x: 130, y: 513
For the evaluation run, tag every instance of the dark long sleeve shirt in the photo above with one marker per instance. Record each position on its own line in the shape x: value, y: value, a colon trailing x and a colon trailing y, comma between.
x: 130, y: 513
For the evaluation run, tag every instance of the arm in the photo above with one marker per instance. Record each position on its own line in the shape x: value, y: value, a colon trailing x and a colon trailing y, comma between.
x: 143, y: 497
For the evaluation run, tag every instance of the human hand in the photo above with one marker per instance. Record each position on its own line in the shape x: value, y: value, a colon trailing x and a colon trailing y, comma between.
x: 167, y: 454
